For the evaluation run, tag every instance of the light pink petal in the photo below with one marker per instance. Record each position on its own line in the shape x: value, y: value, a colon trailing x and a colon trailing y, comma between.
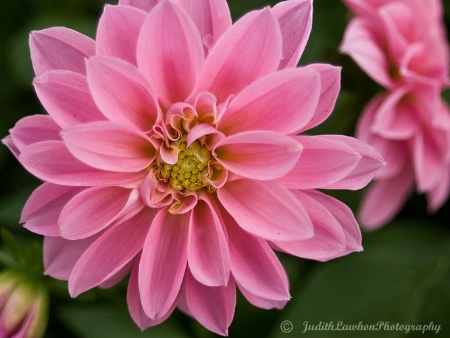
x: 33, y: 129
x: 384, y: 199
x: 118, y: 31
x: 110, y: 252
x: 360, y: 43
x: 396, y: 118
x: 41, y: 212
x: 207, y: 249
x: 261, y: 302
x: 213, y: 307
x: 122, y: 93
x: 250, y: 49
x: 163, y: 263
x: 295, y: 19
x: 61, y: 255
x: 211, y: 17
x: 254, y: 265
x: 92, y: 211
x: 438, y: 195
x: 9, y: 143
x: 266, y: 209
x: 146, y: 5
x: 118, y: 276
x: 51, y: 161
x: 66, y: 97
x: 174, y: 66
x: 261, y: 155
x: 60, y: 48
x: 109, y: 146
x: 368, y: 165
x: 203, y: 129
x: 284, y: 101
x: 135, y: 305
x: 330, y: 240
x: 330, y: 85
x: 323, y: 161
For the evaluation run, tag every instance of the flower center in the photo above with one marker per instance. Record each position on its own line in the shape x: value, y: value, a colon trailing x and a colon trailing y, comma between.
x: 191, y: 170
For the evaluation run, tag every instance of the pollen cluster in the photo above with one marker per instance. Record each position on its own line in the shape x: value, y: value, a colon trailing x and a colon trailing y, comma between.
x: 191, y: 170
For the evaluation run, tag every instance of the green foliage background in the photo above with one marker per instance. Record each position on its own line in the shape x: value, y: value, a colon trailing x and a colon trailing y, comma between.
x: 403, y: 276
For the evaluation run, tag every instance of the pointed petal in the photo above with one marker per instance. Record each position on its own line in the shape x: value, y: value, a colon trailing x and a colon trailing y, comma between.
x: 122, y: 93
x: 254, y: 265
x: 33, y: 129
x: 213, y: 307
x: 266, y: 210
x: 91, y: 211
x: 369, y: 163
x: 172, y: 68
x: 61, y: 255
x: 110, y: 252
x: 284, y: 102
x: 330, y: 86
x: 323, y: 161
x: 9, y: 143
x: 118, y: 31
x: 250, y: 49
x: 211, y: 17
x: 109, y: 146
x: 60, y: 48
x: 261, y: 302
x: 51, y: 161
x: 295, y: 19
x: 41, y: 212
x: 207, y: 249
x: 262, y: 155
x: 384, y: 199
x: 145, y: 5
x: 360, y: 43
x: 66, y: 97
x: 163, y: 263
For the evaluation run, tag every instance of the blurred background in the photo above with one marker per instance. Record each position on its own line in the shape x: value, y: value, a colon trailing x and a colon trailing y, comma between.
x: 403, y: 275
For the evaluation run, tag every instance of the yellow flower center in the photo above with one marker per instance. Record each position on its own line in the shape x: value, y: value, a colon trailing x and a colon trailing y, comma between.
x: 191, y: 170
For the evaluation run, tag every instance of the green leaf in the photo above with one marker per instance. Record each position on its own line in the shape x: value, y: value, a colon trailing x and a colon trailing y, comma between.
x: 105, y: 320
x: 400, y: 278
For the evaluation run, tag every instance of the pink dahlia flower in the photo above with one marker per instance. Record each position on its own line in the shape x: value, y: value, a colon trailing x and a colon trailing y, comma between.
x: 170, y: 151
x: 401, y: 44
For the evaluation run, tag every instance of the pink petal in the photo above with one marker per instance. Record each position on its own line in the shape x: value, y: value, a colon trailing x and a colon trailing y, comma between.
x: 367, y: 167
x: 33, y: 129
x: 66, y: 97
x: 174, y: 66
x: 163, y: 263
x: 134, y: 302
x: 254, y: 265
x: 323, y: 161
x: 118, y: 31
x: 41, y: 212
x: 250, y: 49
x: 60, y: 48
x: 384, y: 199
x: 213, y: 307
x: 360, y: 43
x: 211, y: 17
x: 122, y: 93
x: 61, y: 255
x: 110, y: 252
x: 51, y: 161
x: 330, y: 78
x: 261, y: 302
x: 295, y: 19
x: 207, y: 249
x: 118, y: 277
x: 266, y: 210
x: 9, y: 143
x: 438, y: 195
x: 146, y: 5
x: 109, y: 146
x: 262, y: 155
x: 284, y: 101
x: 92, y: 211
